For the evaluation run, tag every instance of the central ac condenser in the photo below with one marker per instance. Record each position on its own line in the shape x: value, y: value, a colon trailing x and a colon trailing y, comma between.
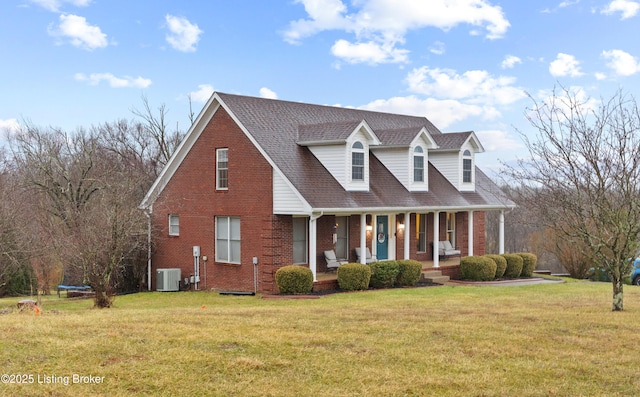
x: 168, y: 280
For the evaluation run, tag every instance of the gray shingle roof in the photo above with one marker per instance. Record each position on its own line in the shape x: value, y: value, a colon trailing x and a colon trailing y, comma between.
x: 278, y: 126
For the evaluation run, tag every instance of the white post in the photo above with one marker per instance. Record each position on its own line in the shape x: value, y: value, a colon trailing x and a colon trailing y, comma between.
x: 470, y: 233
x: 407, y: 235
x: 501, y: 237
x: 436, y: 238
x: 363, y: 238
x: 313, y: 236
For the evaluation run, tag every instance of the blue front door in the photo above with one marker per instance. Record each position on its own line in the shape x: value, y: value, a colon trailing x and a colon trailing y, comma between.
x: 382, y: 237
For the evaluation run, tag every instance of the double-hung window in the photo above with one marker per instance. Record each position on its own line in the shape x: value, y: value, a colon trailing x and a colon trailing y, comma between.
x: 222, y: 169
x: 357, y: 161
x: 418, y: 164
x: 228, y: 239
x: 174, y: 225
x: 300, y: 240
x: 467, y: 166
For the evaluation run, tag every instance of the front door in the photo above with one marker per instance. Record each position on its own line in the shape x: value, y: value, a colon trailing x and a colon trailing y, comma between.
x: 382, y: 237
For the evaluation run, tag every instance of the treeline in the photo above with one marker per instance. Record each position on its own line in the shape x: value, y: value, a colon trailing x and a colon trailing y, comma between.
x: 69, y: 204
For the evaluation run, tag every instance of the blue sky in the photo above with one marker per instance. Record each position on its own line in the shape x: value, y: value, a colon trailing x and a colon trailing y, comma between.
x: 465, y: 64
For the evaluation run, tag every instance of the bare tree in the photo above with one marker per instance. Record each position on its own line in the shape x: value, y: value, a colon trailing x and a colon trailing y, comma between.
x: 88, y: 201
x: 583, y: 177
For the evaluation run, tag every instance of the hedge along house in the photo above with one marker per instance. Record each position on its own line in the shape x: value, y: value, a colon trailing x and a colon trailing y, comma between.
x: 258, y: 184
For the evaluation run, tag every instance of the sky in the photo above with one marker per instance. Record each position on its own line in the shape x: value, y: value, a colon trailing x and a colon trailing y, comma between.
x: 464, y: 64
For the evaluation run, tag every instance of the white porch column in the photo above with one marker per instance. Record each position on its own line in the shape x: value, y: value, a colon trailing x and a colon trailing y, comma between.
x: 501, y: 234
x: 407, y: 235
x: 363, y: 238
x: 470, y: 233
x: 436, y: 238
x: 313, y: 237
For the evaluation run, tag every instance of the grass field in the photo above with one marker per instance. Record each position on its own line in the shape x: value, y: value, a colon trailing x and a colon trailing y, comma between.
x: 539, y: 340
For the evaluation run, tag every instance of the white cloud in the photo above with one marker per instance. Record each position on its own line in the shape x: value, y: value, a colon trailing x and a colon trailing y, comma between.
x: 369, y: 52
x: 442, y: 113
x: 54, y: 5
x: 9, y: 127
x: 381, y: 25
x: 267, y: 93
x: 494, y: 140
x: 437, y: 48
x: 79, y: 32
x: 113, y: 81
x: 203, y: 94
x: 474, y: 86
x: 621, y: 62
x: 510, y: 61
x: 565, y: 65
x: 627, y: 8
x: 183, y: 35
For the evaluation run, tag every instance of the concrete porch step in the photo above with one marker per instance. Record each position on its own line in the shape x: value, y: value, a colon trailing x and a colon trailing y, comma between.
x: 433, y: 276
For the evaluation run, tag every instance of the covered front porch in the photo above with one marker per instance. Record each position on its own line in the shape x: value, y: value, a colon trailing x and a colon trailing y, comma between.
x: 391, y: 235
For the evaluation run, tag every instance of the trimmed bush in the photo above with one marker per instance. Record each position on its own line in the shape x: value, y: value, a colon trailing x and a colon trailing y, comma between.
x: 409, y: 273
x: 529, y: 262
x: 514, y: 265
x: 354, y: 276
x: 383, y: 274
x: 477, y: 268
x: 294, y: 279
x: 501, y: 264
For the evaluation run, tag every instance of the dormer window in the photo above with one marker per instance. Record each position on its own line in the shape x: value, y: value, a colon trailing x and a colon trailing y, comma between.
x: 357, y: 161
x: 418, y: 164
x: 467, y: 166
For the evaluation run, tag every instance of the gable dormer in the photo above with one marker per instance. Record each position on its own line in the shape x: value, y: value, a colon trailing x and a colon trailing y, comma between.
x: 405, y: 153
x: 343, y: 149
x: 455, y: 158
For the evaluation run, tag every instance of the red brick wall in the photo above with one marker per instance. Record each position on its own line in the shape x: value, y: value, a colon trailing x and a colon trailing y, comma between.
x: 192, y: 195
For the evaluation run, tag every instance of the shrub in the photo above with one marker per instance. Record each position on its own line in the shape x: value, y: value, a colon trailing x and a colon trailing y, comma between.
x: 294, y: 280
x: 477, y: 268
x: 383, y: 274
x: 354, y: 276
x: 501, y: 264
x: 514, y: 265
x: 409, y: 273
x: 529, y: 262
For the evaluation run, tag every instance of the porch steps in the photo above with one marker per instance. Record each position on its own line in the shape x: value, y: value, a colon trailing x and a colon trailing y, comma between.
x: 433, y: 276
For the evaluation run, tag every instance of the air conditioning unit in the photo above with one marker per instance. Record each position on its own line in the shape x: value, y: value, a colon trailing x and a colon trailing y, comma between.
x: 167, y: 280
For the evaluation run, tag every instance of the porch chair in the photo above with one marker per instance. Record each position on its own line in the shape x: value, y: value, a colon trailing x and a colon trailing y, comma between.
x: 445, y: 249
x: 368, y: 258
x: 332, y: 261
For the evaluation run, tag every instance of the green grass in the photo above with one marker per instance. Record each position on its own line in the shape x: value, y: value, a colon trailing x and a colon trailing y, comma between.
x: 539, y: 340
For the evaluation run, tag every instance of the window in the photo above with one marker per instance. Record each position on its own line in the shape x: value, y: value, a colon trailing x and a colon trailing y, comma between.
x: 227, y: 239
x: 300, y: 240
x: 451, y: 228
x: 222, y: 169
x: 421, y: 232
x: 418, y: 164
x: 174, y: 225
x: 357, y: 161
x: 466, y: 167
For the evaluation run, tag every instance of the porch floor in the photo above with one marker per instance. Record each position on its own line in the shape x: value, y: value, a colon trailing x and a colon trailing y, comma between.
x: 426, y: 265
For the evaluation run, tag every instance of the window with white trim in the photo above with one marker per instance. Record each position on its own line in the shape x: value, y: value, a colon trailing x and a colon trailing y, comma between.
x: 357, y: 161
x: 227, y: 239
x: 467, y: 167
x: 222, y: 169
x: 418, y: 164
x: 300, y: 240
x: 174, y: 225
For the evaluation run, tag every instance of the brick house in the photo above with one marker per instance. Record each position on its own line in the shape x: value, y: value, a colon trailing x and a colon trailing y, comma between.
x: 258, y: 184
